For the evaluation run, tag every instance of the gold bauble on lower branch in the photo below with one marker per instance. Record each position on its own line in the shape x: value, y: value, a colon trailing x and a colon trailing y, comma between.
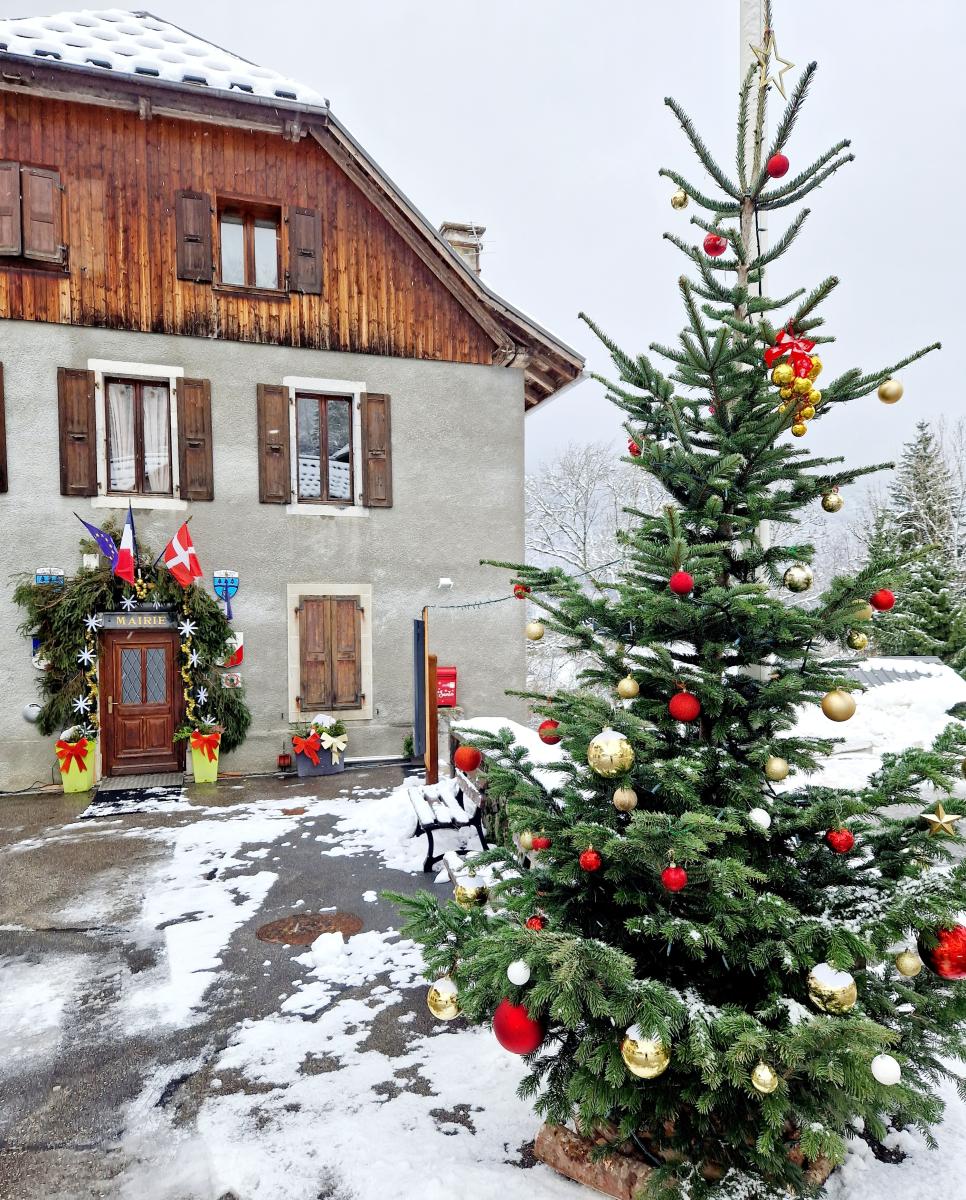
x: 890, y: 391
x: 908, y: 963
x: 610, y: 754
x: 625, y: 799
x: 628, y: 688
x: 535, y: 630
x: 832, y: 502
x: 776, y: 768
x: 764, y: 1079
x: 798, y: 578
x: 644, y: 1057
x: 526, y: 840
x: 816, y: 367
x: 783, y: 376
x: 831, y: 990
x: 806, y: 412
x: 470, y: 892
x: 856, y: 639
x: 679, y: 199
x: 442, y: 999
x: 862, y: 610
x: 799, y: 429
x: 802, y: 387
x: 838, y: 705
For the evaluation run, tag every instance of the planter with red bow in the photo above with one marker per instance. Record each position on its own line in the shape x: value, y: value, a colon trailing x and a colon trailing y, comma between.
x: 205, y: 745
x: 320, y: 748
x: 75, y: 755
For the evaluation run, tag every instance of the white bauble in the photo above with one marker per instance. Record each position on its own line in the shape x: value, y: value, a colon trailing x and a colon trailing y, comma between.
x: 760, y: 817
x: 518, y: 972
x: 885, y: 1068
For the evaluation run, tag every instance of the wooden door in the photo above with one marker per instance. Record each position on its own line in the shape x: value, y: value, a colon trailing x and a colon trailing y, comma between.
x: 140, y: 702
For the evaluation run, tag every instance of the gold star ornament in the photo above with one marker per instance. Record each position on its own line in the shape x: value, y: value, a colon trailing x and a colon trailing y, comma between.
x: 769, y: 52
x: 940, y: 821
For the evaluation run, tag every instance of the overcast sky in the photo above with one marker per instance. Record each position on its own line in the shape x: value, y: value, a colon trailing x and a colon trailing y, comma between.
x: 544, y: 120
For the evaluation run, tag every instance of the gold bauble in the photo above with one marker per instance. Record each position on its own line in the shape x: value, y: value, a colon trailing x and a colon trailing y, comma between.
x: 610, y: 754
x: 628, y: 688
x: 815, y: 397
x: 783, y: 408
x: 679, y: 199
x: 802, y: 387
x: 535, y: 630
x: 807, y: 412
x: 442, y: 999
x: 526, y: 840
x: 856, y: 639
x: 816, y: 367
x: 799, y: 429
x: 644, y: 1057
x: 786, y: 393
x: 783, y: 375
x: 838, y: 705
x: 862, y: 610
x: 832, y: 502
x: 764, y: 1079
x: 890, y: 391
x: 798, y: 578
x: 830, y: 990
x: 471, y: 894
x: 776, y: 768
x: 908, y: 963
x: 625, y: 799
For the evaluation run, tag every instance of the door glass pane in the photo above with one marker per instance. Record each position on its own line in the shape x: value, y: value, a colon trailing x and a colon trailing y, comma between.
x: 157, y: 439
x: 266, y: 254
x: 310, y: 448
x: 130, y: 676
x: 120, y: 437
x: 156, y: 677
x: 232, y: 249
x: 339, y: 417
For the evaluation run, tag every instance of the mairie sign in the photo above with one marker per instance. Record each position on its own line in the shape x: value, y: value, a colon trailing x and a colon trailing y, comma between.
x: 153, y: 618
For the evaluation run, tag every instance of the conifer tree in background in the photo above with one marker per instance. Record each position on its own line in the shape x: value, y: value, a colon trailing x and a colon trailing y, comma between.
x: 702, y: 952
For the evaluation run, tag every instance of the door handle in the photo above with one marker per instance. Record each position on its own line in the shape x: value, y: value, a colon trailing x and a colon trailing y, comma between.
x: 110, y: 705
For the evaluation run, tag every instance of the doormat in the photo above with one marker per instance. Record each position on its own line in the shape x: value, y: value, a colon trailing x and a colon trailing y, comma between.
x: 114, y: 801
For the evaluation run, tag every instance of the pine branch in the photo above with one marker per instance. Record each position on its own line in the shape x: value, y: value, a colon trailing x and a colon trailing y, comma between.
x: 741, y: 156
x: 702, y: 151
x: 786, y: 124
x: 816, y: 182
x: 722, y: 208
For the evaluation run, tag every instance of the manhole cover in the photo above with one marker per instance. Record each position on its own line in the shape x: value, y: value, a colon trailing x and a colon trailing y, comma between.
x: 306, y: 927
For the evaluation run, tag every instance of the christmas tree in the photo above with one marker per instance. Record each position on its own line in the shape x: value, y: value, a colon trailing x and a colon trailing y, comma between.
x: 703, y: 955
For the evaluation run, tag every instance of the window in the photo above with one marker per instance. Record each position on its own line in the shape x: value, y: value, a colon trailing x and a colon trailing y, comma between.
x: 30, y: 214
x: 324, y: 438
x: 330, y: 650
x: 138, y: 437
x: 250, y: 238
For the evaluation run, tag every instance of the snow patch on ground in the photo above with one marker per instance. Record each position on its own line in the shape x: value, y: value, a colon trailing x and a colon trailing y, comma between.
x: 33, y: 996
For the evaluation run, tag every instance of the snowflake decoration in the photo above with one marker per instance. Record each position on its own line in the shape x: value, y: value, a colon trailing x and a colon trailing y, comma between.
x: 187, y: 627
x: 129, y: 603
x: 93, y: 622
x: 86, y: 657
x: 82, y: 704
x: 157, y: 602
x: 194, y: 659
x: 202, y: 694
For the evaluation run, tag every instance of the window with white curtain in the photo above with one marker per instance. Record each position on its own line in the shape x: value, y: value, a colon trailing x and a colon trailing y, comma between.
x: 138, y: 437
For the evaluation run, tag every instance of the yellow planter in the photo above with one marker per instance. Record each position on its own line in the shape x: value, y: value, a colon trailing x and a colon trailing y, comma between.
x: 73, y: 777
x: 205, y: 770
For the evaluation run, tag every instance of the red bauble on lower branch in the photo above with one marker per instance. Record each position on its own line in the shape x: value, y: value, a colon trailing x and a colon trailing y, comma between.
x: 547, y: 732
x: 947, y: 958
x: 590, y: 860
x: 715, y: 245
x: 521, y: 591
x: 674, y: 878
x: 841, y: 840
x: 681, y: 583
x: 467, y: 758
x: 515, y: 1029
x: 684, y: 707
x: 777, y: 166
x: 541, y: 842
x: 536, y: 922
x: 882, y: 600
x: 633, y: 449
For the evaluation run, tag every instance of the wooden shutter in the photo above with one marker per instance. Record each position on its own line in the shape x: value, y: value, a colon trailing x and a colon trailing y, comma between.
x: 3, y: 436
x: 78, y: 457
x: 10, y: 242
x: 305, y: 250
x: 376, y: 451
x: 194, y: 439
x: 274, y: 472
x: 330, y: 653
x: 42, y: 236
x: 192, y: 212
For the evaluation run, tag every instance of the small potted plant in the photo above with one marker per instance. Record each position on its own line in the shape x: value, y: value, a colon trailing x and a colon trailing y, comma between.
x: 204, y: 737
x: 320, y: 746
x: 75, y: 751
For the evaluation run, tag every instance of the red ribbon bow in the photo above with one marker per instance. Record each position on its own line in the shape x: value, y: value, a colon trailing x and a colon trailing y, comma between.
x: 72, y: 752
x: 309, y: 746
x: 797, y: 348
x: 207, y: 743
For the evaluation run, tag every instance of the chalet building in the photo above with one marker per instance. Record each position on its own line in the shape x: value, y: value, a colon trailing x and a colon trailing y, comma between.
x: 215, y: 304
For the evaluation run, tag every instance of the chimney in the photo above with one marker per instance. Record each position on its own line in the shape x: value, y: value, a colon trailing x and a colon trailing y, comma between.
x: 466, y: 240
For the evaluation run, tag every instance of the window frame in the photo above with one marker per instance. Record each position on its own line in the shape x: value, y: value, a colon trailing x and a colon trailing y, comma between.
x: 250, y: 211
x: 139, y: 467
x: 340, y: 388
x: 323, y: 399
x: 294, y: 592
x: 31, y: 262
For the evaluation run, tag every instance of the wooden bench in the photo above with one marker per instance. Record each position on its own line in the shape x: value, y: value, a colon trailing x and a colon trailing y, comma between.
x: 444, y: 806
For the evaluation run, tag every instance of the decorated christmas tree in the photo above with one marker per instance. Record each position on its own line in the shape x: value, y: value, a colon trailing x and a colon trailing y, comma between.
x: 707, y: 959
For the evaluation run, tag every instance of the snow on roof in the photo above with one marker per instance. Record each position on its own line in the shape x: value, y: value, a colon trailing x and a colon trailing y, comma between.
x: 143, y: 45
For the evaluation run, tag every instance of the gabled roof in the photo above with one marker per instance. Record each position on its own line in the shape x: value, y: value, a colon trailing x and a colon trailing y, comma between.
x: 128, y: 58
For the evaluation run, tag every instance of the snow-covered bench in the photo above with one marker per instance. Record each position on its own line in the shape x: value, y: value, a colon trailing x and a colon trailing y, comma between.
x: 450, y: 804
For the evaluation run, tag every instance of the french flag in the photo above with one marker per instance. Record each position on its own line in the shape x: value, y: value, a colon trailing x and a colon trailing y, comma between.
x: 125, y: 565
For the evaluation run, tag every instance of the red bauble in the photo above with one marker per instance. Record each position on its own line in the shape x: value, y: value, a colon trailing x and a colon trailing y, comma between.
x: 633, y: 449
x: 882, y: 600
x: 521, y: 591
x: 535, y: 923
x: 515, y: 1029
x: 777, y: 166
x: 541, y: 842
x: 948, y: 958
x: 684, y: 707
x: 547, y: 732
x: 681, y: 583
x: 715, y: 245
x: 467, y: 758
x: 674, y: 878
x: 841, y: 840
x: 590, y: 860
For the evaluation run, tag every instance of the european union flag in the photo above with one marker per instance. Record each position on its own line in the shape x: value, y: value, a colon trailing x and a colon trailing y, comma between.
x: 105, y: 542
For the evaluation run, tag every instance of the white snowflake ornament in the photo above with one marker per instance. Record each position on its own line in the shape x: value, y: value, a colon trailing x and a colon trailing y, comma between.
x: 93, y: 622
x: 202, y: 694
x: 82, y: 704
x: 129, y: 603
x: 194, y: 659
x: 86, y: 657
x: 187, y: 627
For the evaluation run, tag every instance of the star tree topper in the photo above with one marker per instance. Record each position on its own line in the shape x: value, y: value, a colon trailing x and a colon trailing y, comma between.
x: 940, y: 821
x: 769, y: 51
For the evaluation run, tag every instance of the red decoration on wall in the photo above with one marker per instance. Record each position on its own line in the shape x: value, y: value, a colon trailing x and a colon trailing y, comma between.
x: 541, y: 842
x: 882, y: 600
x: 467, y: 759
x: 777, y: 166
x: 515, y: 1029
x: 681, y: 583
x: 715, y: 245
x: 674, y: 878
x: 547, y: 732
x: 535, y: 922
x: 684, y: 707
x: 948, y: 958
x: 590, y: 860
x: 841, y: 840
x: 521, y: 591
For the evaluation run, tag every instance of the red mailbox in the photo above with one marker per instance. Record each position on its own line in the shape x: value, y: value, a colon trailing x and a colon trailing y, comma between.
x: 446, y: 687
